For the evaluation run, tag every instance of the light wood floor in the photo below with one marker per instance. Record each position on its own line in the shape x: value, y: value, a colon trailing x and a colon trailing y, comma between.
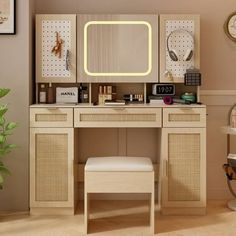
x: 124, y: 218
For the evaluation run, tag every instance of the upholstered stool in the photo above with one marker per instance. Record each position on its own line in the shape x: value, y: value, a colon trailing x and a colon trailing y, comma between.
x: 118, y: 175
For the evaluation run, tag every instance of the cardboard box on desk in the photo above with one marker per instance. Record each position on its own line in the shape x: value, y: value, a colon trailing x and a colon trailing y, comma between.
x: 67, y: 95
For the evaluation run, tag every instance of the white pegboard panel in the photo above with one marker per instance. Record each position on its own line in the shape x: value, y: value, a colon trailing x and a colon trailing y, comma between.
x: 52, y: 65
x: 180, y: 42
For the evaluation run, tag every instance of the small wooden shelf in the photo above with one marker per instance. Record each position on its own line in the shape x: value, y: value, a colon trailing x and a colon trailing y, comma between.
x: 228, y: 130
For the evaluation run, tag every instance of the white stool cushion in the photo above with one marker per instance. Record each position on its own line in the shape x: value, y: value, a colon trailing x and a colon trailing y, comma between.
x: 118, y: 163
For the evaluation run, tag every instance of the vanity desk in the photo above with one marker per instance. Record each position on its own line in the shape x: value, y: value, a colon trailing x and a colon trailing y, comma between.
x: 57, y: 165
x: 130, y: 53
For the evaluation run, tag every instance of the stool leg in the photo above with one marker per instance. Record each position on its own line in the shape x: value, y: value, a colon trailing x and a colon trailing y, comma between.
x: 86, y: 211
x: 152, y: 213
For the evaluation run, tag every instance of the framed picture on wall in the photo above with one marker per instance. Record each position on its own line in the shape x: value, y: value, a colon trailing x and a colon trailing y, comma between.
x: 7, y: 17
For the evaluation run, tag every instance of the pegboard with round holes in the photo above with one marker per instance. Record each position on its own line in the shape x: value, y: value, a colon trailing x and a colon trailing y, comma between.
x: 180, y: 41
x: 52, y: 65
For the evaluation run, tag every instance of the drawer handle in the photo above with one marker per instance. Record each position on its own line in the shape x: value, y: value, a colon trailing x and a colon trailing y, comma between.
x: 52, y: 108
x: 186, y: 108
x: 165, y: 168
x: 119, y: 109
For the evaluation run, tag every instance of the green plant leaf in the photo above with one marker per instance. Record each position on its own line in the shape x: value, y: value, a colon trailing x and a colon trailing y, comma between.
x: 2, y: 121
x: 3, y: 110
x: 7, y: 149
x: 1, y: 179
x: 10, y: 126
x: 4, y: 170
x: 10, y: 146
x: 2, y: 139
x: 4, y: 92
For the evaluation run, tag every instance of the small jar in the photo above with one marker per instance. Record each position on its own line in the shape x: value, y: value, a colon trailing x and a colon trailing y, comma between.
x: 85, y: 95
x: 42, y: 94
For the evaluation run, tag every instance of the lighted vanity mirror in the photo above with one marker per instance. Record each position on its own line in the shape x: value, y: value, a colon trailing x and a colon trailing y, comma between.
x: 118, y: 48
x: 118, y: 44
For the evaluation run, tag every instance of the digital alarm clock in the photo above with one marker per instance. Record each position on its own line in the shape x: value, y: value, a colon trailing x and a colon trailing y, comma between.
x: 163, y: 89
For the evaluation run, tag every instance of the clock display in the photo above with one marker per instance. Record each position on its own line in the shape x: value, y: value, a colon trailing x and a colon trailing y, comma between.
x: 163, y: 89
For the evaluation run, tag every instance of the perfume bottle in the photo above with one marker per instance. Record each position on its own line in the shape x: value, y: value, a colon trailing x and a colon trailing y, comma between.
x: 42, y: 94
x: 50, y: 94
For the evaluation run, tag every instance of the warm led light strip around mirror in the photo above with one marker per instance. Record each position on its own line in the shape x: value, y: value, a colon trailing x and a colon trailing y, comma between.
x: 117, y: 23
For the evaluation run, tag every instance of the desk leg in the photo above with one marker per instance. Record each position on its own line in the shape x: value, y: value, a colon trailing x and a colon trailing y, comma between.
x: 152, y: 212
x: 86, y: 211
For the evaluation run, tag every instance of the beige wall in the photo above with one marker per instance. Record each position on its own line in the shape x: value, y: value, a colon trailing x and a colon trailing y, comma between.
x: 15, y: 69
x: 218, y: 57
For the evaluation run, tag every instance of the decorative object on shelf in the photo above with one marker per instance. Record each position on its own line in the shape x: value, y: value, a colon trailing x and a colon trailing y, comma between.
x: 173, y: 52
x: 133, y: 97
x: 58, y: 47
x: 7, y: 17
x: 67, y: 95
x: 230, y: 26
x: 83, y: 94
x: 105, y: 93
x: 192, y: 77
x: 191, y: 97
x: 168, y: 100
x: 5, y: 130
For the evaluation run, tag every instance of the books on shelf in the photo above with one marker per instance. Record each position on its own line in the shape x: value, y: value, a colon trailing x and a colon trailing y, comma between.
x: 114, y: 102
x: 155, y: 99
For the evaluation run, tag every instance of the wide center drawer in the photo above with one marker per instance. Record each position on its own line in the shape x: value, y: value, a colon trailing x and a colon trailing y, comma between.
x: 51, y: 117
x: 184, y: 117
x: 117, y: 117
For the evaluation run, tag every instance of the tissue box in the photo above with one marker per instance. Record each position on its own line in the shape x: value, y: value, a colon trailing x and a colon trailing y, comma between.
x: 67, y: 95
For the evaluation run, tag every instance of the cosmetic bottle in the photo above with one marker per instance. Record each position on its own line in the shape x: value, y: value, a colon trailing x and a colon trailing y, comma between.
x: 42, y: 94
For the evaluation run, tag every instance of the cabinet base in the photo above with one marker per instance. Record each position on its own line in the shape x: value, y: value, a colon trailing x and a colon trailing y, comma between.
x: 183, y: 211
x: 36, y: 211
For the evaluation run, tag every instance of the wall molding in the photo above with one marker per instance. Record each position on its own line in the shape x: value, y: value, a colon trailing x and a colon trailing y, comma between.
x: 218, y: 97
x: 218, y: 92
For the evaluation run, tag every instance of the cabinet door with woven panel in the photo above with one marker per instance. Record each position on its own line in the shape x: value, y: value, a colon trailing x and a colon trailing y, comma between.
x: 183, y: 167
x: 51, y: 167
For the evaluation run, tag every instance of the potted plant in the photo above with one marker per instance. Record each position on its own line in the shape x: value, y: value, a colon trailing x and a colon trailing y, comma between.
x: 5, y: 130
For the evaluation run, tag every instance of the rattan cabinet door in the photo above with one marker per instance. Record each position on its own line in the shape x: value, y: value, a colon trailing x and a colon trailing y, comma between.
x: 183, y: 167
x: 51, y: 167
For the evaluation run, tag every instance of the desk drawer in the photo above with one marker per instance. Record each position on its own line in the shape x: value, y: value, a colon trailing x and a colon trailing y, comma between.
x: 51, y: 117
x: 117, y: 117
x: 184, y: 117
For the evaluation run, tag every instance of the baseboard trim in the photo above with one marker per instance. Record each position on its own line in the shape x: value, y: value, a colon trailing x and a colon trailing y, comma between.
x: 13, y: 213
x: 218, y: 92
x: 37, y: 211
